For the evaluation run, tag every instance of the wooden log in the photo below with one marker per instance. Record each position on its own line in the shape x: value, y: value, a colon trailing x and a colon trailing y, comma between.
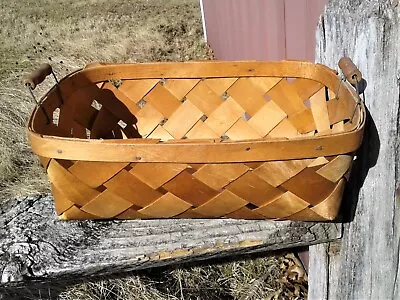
x: 37, y: 247
x: 364, y: 264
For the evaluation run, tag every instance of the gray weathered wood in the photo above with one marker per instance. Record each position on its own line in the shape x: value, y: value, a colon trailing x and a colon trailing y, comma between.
x: 364, y: 264
x: 35, y: 245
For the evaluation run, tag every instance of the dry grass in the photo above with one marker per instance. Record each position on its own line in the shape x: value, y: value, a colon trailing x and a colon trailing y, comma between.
x: 69, y: 34
x: 273, y: 277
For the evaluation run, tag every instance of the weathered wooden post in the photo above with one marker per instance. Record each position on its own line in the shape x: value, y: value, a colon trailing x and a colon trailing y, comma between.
x: 364, y: 264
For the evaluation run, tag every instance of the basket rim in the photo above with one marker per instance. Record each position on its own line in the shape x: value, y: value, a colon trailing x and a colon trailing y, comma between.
x: 208, y: 151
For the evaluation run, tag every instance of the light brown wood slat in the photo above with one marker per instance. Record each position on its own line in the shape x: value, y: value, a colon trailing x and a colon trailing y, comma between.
x: 180, y: 87
x: 165, y: 172
x: 305, y: 214
x: 190, y: 189
x: 306, y: 88
x: 318, y: 188
x: 131, y: 214
x: 162, y: 100
x: 204, y: 98
x: 244, y: 213
x: 253, y: 189
x: 44, y: 161
x: 137, y: 89
x: 284, y: 206
x: 61, y: 202
x: 339, y: 110
x: 318, y: 162
x: 241, y: 130
x: 320, y: 111
x: 188, y: 152
x: 338, y: 127
x: 184, y: 118
x: 148, y: 119
x: 247, y: 95
x: 277, y: 172
x: 222, y: 118
x: 160, y: 133
x: 167, y: 202
x: 303, y: 121
x: 74, y: 189
x: 329, y: 207
x: 336, y: 168
x: 84, y: 171
x: 286, y: 97
x: 268, y: 117
x: 221, y: 205
x: 265, y: 83
x: 284, y: 129
x: 106, y: 205
x: 217, y: 176
x: 201, y: 131
x: 219, y: 85
x: 129, y: 187
x: 74, y: 213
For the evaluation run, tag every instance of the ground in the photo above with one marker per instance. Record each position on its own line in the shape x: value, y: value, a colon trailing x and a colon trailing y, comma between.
x: 69, y: 34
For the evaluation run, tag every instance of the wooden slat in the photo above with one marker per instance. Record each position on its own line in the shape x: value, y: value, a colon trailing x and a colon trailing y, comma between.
x: 195, y: 152
x: 253, y: 189
x: 220, y: 85
x: 222, y: 118
x: 223, y: 204
x: 241, y: 130
x: 247, y: 95
x: 286, y: 97
x: 219, y: 175
x: 129, y: 187
x: 184, y: 118
x: 162, y: 100
x: 320, y: 111
x: 69, y: 184
x: 269, y: 116
x: 95, y: 174
x: 180, y: 87
x: 137, y: 89
x: 204, y: 98
x: 165, y: 172
x: 84, y: 249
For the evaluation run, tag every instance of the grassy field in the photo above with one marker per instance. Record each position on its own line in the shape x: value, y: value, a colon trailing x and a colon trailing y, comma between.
x: 69, y: 34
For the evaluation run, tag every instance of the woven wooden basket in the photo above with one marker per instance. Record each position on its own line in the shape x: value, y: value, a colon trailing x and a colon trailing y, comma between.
x: 253, y: 140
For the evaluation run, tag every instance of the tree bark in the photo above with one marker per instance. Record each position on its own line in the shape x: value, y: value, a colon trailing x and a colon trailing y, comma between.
x: 364, y: 264
x: 37, y: 247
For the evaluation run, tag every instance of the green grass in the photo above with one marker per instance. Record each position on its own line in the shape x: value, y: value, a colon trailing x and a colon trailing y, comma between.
x: 68, y: 35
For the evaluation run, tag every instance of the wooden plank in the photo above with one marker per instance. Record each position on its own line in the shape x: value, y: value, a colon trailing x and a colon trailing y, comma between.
x: 37, y: 247
x: 365, y: 263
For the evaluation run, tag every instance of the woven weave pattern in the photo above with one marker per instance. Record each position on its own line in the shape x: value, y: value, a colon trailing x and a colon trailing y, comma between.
x: 224, y: 108
x: 208, y: 110
x: 273, y: 190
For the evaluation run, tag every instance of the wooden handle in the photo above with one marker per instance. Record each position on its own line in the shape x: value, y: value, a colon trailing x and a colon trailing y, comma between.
x: 38, y: 76
x: 350, y: 70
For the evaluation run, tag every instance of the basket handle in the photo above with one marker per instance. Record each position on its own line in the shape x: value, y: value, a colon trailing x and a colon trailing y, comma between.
x: 38, y: 76
x: 350, y: 71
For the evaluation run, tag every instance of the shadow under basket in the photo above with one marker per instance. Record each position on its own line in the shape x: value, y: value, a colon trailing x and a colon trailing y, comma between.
x: 249, y: 140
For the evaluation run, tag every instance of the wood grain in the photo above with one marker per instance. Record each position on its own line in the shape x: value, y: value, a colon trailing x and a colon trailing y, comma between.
x: 37, y: 247
x: 365, y: 263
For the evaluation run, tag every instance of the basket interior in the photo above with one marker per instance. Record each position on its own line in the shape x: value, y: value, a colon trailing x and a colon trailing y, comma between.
x: 225, y: 109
